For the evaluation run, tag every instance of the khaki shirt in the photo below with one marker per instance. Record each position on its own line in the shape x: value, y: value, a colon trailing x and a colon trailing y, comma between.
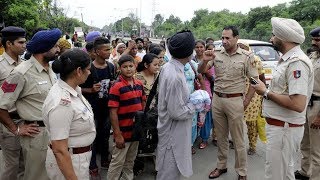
x: 232, y: 70
x: 7, y: 64
x: 68, y: 115
x: 26, y: 88
x: 315, y: 58
x: 293, y: 75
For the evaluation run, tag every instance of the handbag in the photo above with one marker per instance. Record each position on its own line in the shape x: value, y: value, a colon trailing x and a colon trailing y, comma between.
x: 197, y: 84
x: 145, y: 123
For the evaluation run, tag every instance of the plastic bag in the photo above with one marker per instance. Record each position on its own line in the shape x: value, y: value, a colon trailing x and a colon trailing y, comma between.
x: 261, y: 124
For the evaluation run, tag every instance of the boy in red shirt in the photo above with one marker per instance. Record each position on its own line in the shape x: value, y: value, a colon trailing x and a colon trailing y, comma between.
x: 126, y: 97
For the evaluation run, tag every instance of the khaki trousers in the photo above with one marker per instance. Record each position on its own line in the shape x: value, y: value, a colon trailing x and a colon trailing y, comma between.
x: 122, y: 161
x: 12, y: 156
x: 228, y: 115
x: 310, y: 145
x: 282, y: 145
x: 34, y: 151
x: 80, y: 163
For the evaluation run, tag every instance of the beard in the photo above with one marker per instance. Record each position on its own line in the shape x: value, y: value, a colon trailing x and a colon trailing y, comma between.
x: 49, y: 57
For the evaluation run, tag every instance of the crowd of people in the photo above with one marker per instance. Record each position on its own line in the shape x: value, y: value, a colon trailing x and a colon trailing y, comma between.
x: 59, y: 104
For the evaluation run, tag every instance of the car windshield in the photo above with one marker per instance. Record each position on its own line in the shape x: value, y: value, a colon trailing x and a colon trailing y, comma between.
x: 266, y: 53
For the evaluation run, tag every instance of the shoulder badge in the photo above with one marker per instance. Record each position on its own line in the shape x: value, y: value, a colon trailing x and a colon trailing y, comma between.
x: 65, y: 99
x: 297, y: 74
x: 23, y: 67
x: 8, y: 88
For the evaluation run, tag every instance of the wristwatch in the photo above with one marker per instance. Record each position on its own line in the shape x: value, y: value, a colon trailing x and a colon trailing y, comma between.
x: 265, y: 94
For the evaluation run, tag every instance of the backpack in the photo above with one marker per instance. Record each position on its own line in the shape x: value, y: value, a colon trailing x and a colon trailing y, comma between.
x: 145, y: 126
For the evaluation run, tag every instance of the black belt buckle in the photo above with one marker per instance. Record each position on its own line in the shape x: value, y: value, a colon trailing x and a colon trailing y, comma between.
x: 310, y: 103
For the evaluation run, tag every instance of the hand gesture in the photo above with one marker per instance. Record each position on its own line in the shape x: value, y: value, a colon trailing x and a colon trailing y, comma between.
x: 208, y: 55
x: 96, y: 87
x: 28, y: 130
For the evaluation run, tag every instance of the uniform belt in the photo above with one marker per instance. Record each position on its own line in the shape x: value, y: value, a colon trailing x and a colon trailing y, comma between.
x: 276, y: 122
x: 40, y: 123
x: 315, y: 98
x: 78, y: 150
x: 14, y: 115
x: 224, y: 95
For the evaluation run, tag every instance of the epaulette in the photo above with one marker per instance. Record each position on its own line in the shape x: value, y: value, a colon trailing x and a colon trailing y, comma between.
x: 23, y: 67
x: 247, y: 53
x: 65, y: 98
x: 217, y: 48
x: 1, y: 58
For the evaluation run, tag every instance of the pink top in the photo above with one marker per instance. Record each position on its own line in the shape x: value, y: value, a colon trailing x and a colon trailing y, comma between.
x: 207, y: 82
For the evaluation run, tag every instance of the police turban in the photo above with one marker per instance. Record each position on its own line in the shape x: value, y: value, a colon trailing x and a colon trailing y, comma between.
x: 91, y: 36
x: 315, y: 32
x: 43, y: 41
x: 181, y: 45
x: 288, y: 30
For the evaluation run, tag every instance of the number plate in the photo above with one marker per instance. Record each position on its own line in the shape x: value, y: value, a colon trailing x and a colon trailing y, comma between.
x: 268, y: 71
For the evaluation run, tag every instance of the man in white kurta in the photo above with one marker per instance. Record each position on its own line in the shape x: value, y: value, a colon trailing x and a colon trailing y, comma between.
x: 175, y: 112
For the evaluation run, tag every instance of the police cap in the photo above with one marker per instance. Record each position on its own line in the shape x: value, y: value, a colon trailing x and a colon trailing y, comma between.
x: 13, y: 31
x: 315, y: 32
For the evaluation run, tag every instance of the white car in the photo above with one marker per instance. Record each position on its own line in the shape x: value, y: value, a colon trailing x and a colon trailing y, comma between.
x: 265, y: 51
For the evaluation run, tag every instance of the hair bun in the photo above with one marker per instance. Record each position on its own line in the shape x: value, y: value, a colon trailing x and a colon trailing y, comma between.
x: 57, y: 66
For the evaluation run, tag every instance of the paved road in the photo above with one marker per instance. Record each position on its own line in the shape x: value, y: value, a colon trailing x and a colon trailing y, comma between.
x: 205, y: 160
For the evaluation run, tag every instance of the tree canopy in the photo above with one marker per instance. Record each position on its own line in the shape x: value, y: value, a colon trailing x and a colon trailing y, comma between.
x: 253, y: 25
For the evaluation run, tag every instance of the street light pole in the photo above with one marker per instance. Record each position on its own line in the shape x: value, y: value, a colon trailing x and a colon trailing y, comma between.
x: 122, y: 27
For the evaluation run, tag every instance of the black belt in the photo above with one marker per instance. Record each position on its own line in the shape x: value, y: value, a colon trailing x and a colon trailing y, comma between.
x: 14, y: 115
x: 40, y: 123
x: 313, y: 98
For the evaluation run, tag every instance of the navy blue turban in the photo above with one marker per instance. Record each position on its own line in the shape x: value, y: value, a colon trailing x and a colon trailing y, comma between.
x: 181, y: 45
x: 43, y: 41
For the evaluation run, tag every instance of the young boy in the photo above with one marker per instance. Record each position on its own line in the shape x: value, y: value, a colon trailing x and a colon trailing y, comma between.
x: 126, y: 97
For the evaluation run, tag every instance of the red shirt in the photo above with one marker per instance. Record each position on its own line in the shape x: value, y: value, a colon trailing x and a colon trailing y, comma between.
x: 128, y: 99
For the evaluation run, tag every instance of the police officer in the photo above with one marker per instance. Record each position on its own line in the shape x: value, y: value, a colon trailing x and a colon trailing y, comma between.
x: 232, y: 65
x: 26, y: 88
x: 14, y: 42
x: 310, y: 144
x: 69, y: 119
x: 286, y: 99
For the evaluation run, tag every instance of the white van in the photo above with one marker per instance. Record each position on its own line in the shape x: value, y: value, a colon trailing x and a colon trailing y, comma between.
x: 265, y: 51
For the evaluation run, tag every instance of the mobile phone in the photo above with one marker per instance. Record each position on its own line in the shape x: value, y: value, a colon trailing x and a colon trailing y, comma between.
x: 253, y: 81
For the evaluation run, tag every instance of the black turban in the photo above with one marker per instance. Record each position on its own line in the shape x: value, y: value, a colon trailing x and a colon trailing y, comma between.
x: 43, y: 41
x: 181, y: 45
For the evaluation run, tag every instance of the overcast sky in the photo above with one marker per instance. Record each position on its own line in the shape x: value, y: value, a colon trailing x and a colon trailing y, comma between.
x: 101, y: 12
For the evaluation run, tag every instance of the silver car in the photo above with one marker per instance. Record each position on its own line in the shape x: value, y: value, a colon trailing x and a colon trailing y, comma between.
x: 265, y: 51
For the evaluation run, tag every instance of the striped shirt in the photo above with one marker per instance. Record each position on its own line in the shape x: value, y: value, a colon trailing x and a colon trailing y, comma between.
x: 128, y: 99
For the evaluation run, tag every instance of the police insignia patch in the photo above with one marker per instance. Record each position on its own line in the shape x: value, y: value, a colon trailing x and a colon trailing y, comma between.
x: 7, y: 88
x: 297, y: 74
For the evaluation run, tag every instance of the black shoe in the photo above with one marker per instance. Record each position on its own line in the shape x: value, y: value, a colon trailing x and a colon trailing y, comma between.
x: 298, y: 175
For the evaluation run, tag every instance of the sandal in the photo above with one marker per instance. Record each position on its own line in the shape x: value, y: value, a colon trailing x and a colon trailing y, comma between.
x: 214, y: 142
x: 251, y: 151
x: 193, y: 150
x: 217, y: 173
x: 203, y: 145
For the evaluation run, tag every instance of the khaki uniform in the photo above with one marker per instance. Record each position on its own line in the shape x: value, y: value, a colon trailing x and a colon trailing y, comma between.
x: 293, y: 75
x: 310, y: 144
x: 26, y: 89
x: 11, y: 148
x: 231, y: 72
x: 68, y: 115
